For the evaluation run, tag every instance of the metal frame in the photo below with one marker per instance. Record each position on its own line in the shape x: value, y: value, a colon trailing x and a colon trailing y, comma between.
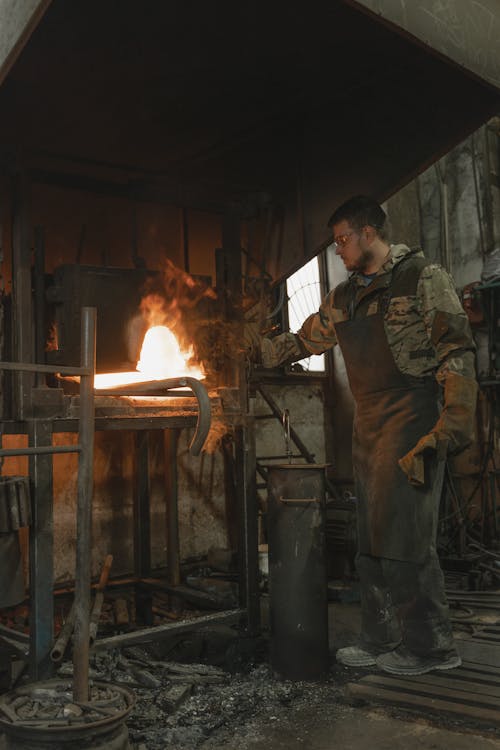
x: 41, y: 533
x: 40, y: 430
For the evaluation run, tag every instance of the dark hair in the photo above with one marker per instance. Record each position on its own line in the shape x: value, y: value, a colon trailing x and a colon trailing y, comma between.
x: 360, y: 211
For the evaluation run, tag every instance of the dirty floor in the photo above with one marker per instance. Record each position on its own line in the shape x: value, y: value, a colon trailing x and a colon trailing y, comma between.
x: 195, y: 695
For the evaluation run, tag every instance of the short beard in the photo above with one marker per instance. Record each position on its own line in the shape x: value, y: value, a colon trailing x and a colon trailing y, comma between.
x: 365, y: 260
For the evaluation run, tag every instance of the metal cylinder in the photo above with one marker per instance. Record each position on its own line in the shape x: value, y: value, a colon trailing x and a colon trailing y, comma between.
x: 298, y: 606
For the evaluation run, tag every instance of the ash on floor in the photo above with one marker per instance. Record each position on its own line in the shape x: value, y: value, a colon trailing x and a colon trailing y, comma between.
x: 186, y: 705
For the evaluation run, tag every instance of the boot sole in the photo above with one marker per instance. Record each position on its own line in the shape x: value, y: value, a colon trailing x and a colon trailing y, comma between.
x: 361, y: 663
x: 452, y: 664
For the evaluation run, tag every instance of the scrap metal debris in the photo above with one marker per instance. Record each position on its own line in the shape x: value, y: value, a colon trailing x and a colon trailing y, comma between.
x: 186, y: 706
x: 43, y: 705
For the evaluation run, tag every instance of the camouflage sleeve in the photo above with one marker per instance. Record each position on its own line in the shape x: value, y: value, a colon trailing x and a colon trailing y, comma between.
x: 316, y: 335
x: 446, y: 323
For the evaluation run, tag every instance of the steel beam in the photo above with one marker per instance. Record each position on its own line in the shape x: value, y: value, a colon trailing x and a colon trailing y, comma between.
x: 41, y: 552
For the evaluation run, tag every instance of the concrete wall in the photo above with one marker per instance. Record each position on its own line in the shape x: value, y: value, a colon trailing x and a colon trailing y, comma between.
x: 452, y: 210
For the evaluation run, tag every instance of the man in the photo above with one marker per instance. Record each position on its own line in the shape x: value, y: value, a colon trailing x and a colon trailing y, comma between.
x: 405, y: 339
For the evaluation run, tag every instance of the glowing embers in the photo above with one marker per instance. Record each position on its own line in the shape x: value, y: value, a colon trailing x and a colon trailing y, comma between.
x: 161, y: 358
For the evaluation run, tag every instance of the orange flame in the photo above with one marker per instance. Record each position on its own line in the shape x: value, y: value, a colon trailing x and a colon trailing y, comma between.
x: 161, y: 358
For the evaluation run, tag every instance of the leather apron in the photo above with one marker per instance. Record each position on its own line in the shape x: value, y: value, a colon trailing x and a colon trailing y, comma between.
x: 393, y: 411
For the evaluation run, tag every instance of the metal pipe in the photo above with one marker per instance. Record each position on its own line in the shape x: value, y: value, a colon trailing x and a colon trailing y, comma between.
x: 84, y: 509
x: 158, y: 632
x: 62, y: 640
x: 199, y: 390
x: 54, y: 369
x: 42, y: 449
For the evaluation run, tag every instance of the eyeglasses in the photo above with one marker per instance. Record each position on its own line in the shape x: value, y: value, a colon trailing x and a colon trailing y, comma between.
x: 342, y: 239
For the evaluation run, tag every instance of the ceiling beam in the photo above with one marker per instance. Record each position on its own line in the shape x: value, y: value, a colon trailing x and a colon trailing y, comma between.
x: 18, y: 20
x: 463, y: 31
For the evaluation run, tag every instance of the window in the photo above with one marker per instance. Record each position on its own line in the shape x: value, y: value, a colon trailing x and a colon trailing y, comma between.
x: 304, y: 297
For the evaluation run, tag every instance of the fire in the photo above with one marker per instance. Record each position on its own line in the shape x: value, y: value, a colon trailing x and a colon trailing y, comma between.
x: 161, y: 358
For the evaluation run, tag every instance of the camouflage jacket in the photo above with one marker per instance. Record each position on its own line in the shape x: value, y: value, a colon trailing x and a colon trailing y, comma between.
x: 427, y: 329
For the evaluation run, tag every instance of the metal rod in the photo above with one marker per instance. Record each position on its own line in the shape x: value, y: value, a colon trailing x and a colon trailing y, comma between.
x: 99, y: 598
x: 277, y: 413
x: 84, y: 509
x: 39, y: 288
x: 54, y: 369
x: 248, y: 526
x: 141, y: 507
x: 199, y: 390
x: 173, y: 549
x: 42, y: 449
x: 156, y: 633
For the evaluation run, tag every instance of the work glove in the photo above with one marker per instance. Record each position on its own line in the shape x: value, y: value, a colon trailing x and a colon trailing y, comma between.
x: 253, y: 324
x: 453, y: 431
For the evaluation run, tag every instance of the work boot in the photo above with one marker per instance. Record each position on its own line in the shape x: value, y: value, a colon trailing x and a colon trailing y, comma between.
x: 402, y: 661
x: 356, y: 656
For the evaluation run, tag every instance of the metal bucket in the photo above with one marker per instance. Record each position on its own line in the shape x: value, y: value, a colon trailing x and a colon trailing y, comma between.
x: 108, y: 732
x: 298, y: 603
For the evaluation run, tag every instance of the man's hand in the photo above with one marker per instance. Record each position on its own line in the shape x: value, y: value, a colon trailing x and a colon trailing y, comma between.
x: 453, y: 431
x: 413, y: 463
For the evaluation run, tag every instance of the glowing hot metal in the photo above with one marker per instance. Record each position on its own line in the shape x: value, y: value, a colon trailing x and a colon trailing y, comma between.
x: 161, y: 358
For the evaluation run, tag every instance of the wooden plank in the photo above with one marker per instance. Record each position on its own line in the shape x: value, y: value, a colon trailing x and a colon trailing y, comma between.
x: 483, y: 668
x: 383, y: 695
x: 491, y: 687
x: 473, y: 675
x: 488, y: 638
x: 473, y: 604
x: 480, y: 652
x: 457, y: 593
x: 429, y: 690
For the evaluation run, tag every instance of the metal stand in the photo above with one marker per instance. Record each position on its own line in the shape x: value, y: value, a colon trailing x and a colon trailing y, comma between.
x: 40, y: 451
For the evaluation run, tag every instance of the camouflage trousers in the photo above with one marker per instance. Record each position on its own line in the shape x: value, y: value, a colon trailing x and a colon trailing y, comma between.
x: 404, y: 602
